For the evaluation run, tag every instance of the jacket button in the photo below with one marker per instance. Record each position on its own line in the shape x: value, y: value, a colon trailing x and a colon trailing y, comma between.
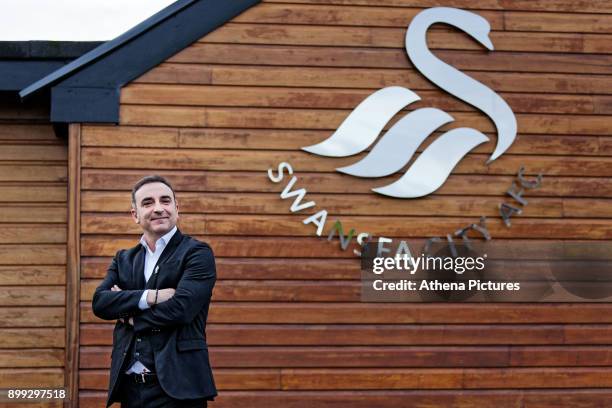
x: 136, y: 354
x: 138, y: 339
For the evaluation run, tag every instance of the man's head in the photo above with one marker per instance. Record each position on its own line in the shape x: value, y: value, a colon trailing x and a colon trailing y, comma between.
x: 154, y: 205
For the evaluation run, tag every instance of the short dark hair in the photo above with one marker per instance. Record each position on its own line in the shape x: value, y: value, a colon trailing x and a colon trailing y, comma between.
x: 147, y: 180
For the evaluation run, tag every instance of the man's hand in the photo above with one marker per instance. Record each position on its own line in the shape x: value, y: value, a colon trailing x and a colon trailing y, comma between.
x: 130, y: 321
x: 162, y: 295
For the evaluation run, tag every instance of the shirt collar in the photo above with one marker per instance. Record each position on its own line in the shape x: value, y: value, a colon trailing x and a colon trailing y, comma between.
x: 164, y: 239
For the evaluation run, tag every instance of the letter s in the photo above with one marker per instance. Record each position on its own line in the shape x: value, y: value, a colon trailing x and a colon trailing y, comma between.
x: 281, y: 167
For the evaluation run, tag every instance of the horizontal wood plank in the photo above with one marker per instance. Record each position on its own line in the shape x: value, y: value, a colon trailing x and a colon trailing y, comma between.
x: 253, y: 268
x: 386, y: 37
x: 33, y: 254
x: 359, y: 379
x: 517, y: 5
x: 270, y: 291
x: 32, y: 275
x: 29, y: 172
x: 258, y: 139
x: 228, y: 246
x: 400, y: 17
x: 328, y: 270
x: 398, y: 313
x: 353, y: 379
x: 28, y: 132
x: 211, y: 203
x: 27, y: 213
x: 329, y: 183
x: 47, y: 404
x: 48, y: 316
x: 225, y: 379
x: 406, y: 227
x: 385, y: 356
x: 152, y: 115
x: 368, y: 78
x: 33, y: 152
x: 393, y: 398
x: 309, y: 56
x: 32, y: 337
x: 560, y: 22
x: 267, y: 97
x: 32, y: 234
x: 381, y: 335
x: 31, y: 358
x: 97, y: 135
x: 32, y: 296
x: 320, y: 248
x: 31, y: 378
x: 329, y: 14
x: 343, y: 291
x: 25, y: 193
x: 248, y: 160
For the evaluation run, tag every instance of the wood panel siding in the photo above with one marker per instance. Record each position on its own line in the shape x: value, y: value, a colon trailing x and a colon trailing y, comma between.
x: 33, y: 195
x: 286, y: 326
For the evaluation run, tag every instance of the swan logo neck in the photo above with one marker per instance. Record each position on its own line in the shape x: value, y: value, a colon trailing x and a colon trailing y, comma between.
x: 397, y: 146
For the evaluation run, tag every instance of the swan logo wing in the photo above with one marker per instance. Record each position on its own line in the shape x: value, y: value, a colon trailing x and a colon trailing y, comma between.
x: 365, y: 122
x: 398, y: 145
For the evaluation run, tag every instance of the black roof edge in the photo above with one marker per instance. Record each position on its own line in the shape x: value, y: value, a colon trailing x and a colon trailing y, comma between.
x: 45, y: 50
x: 87, y: 90
x: 105, y: 48
x: 24, y: 62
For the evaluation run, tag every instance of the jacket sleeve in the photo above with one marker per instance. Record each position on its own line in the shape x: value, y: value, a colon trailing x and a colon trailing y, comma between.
x: 109, y: 305
x: 193, y: 293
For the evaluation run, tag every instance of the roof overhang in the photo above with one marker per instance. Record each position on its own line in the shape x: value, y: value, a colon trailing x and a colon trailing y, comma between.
x: 24, y: 62
x: 88, y: 88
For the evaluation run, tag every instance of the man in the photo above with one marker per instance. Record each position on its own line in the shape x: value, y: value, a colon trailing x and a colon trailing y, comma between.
x: 159, y: 292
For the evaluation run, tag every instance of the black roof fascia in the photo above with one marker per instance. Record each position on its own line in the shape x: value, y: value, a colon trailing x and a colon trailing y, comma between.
x: 87, y: 90
x: 56, y: 50
x: 23, y: 62
x: 16, y: 74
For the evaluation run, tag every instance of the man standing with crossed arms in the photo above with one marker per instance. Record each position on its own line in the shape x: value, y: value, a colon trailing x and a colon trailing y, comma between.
x: 159, y: 292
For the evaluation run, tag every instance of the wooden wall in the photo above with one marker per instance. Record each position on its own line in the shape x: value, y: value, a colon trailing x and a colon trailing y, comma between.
x: 287, y: 327
x: 33, y: 192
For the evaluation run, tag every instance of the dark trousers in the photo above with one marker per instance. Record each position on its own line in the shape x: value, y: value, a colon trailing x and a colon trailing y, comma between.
x: 151, y: 395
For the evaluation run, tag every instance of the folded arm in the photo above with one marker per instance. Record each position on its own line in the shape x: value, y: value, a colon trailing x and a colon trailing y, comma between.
x: 193, y: 292
x: 111, y: 305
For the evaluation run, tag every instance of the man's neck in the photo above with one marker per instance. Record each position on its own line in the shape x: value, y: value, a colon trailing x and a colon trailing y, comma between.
x: 151, y: 239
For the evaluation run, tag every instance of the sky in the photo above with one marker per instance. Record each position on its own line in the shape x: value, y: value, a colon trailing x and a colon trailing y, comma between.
x: 72, y: 20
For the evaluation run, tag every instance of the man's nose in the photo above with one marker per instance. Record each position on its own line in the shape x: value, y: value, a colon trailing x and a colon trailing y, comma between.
x: 158, y: 207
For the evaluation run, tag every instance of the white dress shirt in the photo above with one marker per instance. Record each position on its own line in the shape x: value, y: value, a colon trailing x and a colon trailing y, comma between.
x: 151, y: 258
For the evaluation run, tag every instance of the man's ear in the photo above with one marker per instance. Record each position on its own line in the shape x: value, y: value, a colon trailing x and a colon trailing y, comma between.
x: 134, y: 213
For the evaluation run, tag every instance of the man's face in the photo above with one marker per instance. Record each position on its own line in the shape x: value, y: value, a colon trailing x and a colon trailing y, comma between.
x: 156, y: 210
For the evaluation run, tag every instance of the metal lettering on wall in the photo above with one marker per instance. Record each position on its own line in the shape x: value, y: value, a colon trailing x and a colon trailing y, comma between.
x: 395, y: 149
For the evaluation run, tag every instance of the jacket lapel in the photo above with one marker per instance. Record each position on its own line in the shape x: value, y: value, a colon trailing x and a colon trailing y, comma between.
x: 138, y: 268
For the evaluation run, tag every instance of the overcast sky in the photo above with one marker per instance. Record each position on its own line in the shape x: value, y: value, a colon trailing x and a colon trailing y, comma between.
x: 72, y: 20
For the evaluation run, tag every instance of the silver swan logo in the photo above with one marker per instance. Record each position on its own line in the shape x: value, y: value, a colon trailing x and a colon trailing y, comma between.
x: 395, y: 149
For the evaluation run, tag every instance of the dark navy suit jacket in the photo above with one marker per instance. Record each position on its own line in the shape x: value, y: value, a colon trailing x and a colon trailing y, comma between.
x: 176, y: 327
